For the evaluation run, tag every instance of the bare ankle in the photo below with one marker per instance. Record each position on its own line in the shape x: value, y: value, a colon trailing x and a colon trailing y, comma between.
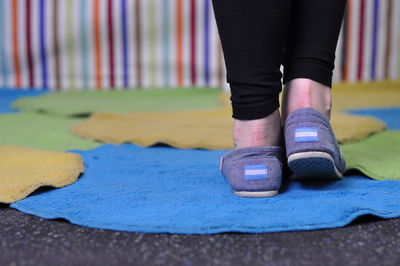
x: 302, y: 93
x: 258, y: 132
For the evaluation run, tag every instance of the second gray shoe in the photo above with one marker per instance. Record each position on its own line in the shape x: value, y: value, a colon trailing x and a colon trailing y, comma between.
x: 311, y: 147
x: 253, y: 171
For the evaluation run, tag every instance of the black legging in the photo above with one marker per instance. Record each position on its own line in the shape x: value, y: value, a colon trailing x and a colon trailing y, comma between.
x: 258, y: 36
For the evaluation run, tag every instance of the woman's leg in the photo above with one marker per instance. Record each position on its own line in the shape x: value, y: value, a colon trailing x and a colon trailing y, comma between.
x: 310, y: 54
x: 311, y: 147
x: 253, y: 35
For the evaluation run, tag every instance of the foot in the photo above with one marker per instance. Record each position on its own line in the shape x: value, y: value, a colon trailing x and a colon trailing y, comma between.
x: 311, y: 147
x: 254, y: 167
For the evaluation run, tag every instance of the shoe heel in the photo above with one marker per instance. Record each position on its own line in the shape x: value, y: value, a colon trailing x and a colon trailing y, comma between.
x: 313, y: 165
x: 253, y: 171
x: 256, y: 194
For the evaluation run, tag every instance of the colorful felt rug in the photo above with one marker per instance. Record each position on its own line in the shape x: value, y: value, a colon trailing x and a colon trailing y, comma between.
x: 161, y: 189
x: 74, y: 103
x: 23, y: 170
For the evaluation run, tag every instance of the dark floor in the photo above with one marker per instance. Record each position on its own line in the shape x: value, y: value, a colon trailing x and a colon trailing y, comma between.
x: 28, y: 240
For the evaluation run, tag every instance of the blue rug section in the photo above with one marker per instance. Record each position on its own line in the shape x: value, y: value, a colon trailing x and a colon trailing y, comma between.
x: 161, y: 189
x: 8, y: 97
x: 391, y: 116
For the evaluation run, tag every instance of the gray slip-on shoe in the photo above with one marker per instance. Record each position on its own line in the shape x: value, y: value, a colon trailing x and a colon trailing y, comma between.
x: 253, y: 171
x: 311, y: 147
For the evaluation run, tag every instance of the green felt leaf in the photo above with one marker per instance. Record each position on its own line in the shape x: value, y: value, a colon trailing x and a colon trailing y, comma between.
x: 40, y: 131
x: 377, y: 156
x: 86, y: 102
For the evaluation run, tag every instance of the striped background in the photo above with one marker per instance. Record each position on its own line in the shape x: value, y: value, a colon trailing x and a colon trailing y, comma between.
x: 119, y: 44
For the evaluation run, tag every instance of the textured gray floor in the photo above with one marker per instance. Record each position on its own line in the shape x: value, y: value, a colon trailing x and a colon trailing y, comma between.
x: 28, y: 240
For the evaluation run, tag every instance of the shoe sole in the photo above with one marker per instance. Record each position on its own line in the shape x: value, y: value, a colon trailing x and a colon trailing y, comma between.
x: 313, y: 165
x: 256, y: 194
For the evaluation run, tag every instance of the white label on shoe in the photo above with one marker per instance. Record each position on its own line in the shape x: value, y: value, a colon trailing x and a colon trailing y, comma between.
x: 306, y: 134
x: 254, y: 172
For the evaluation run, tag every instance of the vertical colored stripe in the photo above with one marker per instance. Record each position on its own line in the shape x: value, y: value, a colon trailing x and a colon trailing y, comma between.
x: 368, y: 15
x: 70, y: 42
x: 124, y: 44
x: 3, y: 53
x: 388, y: 36
x: 337, y: 74
x: 394, y: 63
x: 179, y: 43
x: 97, y: 44
x: 138, y: 44
x: 166, y: 37
x: 56, y: 48
x: 374, y: 39
x: 29, y: 42
x: 193, y: 41
x: 220, y: 66
x: 43, y: 43
x: 207, y: 42
x: 361, y: 41
x: 152, y: 36
x: 111, y: 42
x: 85, y: 63
x: 15, y: 43
x: 348, y: 40
x: 344, y: 42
